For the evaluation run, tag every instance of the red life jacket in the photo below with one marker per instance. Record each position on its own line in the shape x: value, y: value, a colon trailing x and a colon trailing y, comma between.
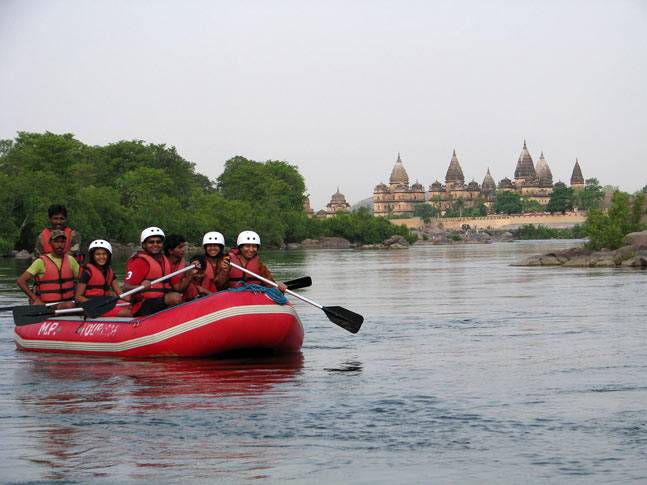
x: 180, y: 264
x: 55, y: 284
x: 209, y: 280
x: 236, y: 277
x: 44, y: 239
x: 99, y: 283
x: 156, y: 269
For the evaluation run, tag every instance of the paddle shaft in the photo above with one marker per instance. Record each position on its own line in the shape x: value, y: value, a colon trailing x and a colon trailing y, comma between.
x: 275, y: 285
x: 158, y: 280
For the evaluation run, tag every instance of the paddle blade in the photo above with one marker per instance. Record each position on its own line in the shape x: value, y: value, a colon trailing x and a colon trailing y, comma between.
x: 299, y: 283
x: 97, y: 306
x: 346, y: 319
x: 26, y: 315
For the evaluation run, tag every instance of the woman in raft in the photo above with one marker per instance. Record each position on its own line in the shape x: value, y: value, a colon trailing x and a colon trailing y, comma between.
x: 96, y: 278
x: 216, y: 269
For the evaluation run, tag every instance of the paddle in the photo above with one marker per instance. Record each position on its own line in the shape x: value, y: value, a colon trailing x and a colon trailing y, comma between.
x: 7, y: 308
x: 99, y: 305
x: 298, y: 283
x: 346, y: 319
x: 28, y: 314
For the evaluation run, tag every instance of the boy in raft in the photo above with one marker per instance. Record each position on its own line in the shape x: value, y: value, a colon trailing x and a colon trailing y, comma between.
x: 216, y: 273
x: 57, y: 216
x: 145, y: 266
x: 246, y: 255
x: 174, y: 246
x: 54, y: 273
x: 98, y: 279
x: 195, y: 288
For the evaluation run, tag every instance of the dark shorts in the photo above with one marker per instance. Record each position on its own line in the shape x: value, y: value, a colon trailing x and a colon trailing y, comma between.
x: 151, y: 305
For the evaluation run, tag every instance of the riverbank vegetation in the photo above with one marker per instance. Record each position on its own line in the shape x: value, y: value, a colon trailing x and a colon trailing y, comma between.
x: 113, y: 191
x: 530, y: 231
x: 607, y: 229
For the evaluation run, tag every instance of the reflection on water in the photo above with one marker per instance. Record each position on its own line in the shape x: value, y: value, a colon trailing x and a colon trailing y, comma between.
x: 466, y: 370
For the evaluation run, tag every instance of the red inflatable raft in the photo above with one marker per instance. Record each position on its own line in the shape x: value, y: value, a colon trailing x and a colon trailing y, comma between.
x: 222, y: 322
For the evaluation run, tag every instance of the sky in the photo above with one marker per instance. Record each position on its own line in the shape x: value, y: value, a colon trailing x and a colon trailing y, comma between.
x: 339, y: 88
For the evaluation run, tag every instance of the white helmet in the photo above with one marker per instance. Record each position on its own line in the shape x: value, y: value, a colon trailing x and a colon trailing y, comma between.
x: 151, y: 231
x: 100, y: 243
x: 213, y: 237
x: 248, y: 237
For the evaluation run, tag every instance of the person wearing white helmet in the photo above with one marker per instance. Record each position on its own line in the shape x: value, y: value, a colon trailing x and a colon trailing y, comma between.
x: 216, y: 275
x: 98, y: 279
x: 246, y: 255
x: 146, y: 265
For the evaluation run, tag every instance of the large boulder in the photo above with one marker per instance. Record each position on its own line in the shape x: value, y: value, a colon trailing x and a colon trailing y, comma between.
x: 636, y: 239
x: 636, y: 262
x: 396, y: 242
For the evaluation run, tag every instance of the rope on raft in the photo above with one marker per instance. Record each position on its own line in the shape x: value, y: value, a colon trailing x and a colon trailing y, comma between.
x: 273, y: 293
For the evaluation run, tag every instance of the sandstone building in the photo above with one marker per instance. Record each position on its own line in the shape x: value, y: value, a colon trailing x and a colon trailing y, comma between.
x: 532, y: 181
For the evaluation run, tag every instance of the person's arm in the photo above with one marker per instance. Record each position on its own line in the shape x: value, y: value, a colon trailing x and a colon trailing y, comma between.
x: 182, y: 283
x: 116, y: 290
x: 265, y: 273
x: 23, y: 284
x: 221, y: 279
x: 79, y: 294
x: 81, y: 286
x: 136, y: 271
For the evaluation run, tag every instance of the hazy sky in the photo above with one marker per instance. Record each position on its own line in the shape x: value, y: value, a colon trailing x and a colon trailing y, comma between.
x: 339, y: 88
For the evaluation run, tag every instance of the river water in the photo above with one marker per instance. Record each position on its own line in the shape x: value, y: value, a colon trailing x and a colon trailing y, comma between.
x: 466, y: 370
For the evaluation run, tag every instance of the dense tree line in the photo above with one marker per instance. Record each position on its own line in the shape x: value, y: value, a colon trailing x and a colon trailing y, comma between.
x: 113, y: 191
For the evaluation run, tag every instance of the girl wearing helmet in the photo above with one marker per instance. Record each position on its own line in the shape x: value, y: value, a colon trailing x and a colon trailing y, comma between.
x: 96, y: 277
x: 246, y: 255
x: 216, y: 274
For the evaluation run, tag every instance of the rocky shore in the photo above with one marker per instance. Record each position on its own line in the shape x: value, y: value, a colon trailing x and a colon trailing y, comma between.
x: 633, y: 254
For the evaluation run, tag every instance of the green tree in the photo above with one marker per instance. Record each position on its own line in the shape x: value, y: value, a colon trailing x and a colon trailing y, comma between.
x: 531, y: 205
x: 507, y: 203
x: 561, y: 199
x: 590, y: 197
x: 608, y: 230
x: 425, y: 211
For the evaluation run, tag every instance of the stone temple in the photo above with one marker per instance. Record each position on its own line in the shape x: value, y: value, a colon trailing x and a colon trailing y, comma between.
x: 534, y: 181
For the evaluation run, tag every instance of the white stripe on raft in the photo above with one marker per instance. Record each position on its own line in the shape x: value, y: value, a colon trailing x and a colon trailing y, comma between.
x: 159, y: 336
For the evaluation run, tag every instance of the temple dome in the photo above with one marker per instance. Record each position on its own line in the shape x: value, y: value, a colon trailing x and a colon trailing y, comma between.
x: 381, y: 187
x: 489, y: 185
x: 454, y: 171
x: 436, y: 187
x: 417, y: 187
x: 576, y: 177
x: 505, y: 183
x: 544, y: 175
x: 525, y: 167
x: 473, y: 186
x: 399, y: 174
x: 338, y: 197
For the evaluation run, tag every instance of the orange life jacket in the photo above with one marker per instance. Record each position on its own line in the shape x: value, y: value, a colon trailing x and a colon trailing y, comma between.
x: 55, y: 284
x: 156, y: 269
x: 236, y: 277
x: 44, y: 239
x: 99, y: 283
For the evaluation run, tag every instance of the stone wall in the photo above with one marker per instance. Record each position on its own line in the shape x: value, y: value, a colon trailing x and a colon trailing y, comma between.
x: 500, y: 221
